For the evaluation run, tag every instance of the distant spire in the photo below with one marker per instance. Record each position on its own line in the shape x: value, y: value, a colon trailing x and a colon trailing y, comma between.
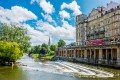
x: 49, y: 42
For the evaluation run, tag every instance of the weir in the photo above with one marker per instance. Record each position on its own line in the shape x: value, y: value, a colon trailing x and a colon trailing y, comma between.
x: 63, y: 68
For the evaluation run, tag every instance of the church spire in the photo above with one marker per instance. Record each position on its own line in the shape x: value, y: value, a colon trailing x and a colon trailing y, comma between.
x: 49, y: 42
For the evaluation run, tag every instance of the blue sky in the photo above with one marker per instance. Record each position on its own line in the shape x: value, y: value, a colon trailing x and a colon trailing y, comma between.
x: 47, y: 17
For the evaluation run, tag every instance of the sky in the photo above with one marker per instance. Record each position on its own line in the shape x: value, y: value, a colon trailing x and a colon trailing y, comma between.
x: 44, y: 18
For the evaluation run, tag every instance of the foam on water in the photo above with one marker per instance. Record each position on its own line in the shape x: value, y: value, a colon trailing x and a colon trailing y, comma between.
x: 65, y: 68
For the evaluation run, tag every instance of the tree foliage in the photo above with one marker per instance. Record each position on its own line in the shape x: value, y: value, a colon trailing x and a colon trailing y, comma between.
x: 13, y: 33
x: 45, y: 46
x: 53, y: 47
x: 9, y: 51
x: 61, y: 43
x: 43, y: 51
x: 36, y: 49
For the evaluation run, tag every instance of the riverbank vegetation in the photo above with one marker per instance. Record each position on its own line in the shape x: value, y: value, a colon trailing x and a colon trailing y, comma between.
x: 13, y: 43
x: 9, y: 52
x: 44, y: 52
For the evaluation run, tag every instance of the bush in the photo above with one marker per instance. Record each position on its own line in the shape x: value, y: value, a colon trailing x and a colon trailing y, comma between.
x: 9, y: 51
x: 35, y: 56
x: 51, y: 53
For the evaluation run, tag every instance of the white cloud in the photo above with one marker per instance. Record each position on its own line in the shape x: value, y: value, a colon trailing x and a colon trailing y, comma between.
x: 16, y: 14
x: 47, y: 17
x: 69, y: 27
x: 72, y: 6
x: 64, y: 14
x: 66, y: 32
x: 37, y: 37
x: 20, y: 15
x: 46, y: 6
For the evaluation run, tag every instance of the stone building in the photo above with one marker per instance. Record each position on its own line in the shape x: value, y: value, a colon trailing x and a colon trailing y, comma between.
x: 97, y: 37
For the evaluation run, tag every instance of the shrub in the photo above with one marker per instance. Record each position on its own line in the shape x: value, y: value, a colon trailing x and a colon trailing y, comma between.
x: 9, y: 51
x: 51, y: 53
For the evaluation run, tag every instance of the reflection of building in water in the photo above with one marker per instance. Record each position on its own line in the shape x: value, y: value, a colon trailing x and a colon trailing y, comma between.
x: 97, y: 37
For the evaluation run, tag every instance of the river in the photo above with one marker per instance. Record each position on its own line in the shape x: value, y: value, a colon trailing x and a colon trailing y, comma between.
x: 49, y: 71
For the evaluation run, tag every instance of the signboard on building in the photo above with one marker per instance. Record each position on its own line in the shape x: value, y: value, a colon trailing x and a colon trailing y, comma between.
x: 95, y: 42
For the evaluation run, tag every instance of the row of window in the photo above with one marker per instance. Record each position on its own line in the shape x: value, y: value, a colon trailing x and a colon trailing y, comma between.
x: 99, y: 15
x: 105, y: 22
x: 80, y: 28
x: 96, y: 36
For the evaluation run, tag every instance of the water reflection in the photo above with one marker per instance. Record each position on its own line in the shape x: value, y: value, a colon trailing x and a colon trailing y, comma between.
x: 9, y: 73
x: 36, y: 71
x: 24, y: 73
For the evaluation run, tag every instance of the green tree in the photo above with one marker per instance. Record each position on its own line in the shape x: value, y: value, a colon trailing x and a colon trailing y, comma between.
x: 37, y: 49
x: 45, y: 45
x: 53, y: 47
x: 13, y: 33
x: 9, y: 51
x: 61, y: 43
x: 43, y: 51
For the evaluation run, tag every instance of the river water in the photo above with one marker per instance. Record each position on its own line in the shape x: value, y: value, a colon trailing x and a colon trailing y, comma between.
x: 44, y: 71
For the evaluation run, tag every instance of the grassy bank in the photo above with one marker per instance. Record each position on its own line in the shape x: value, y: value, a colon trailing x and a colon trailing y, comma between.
x: 43, y: 58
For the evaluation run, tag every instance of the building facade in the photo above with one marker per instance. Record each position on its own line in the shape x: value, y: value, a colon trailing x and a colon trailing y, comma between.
x: 97, y: 37
x: 81, y: 29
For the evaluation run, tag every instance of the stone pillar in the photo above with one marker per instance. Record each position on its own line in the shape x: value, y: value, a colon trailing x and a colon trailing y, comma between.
x: 73, y: 53
x: 74, y: 56
x: 100, y: 56
x: 65, y: 53
x: 76, y: 53
x: 60, y: 53
x: 90, y: 53
x: 80, y: 53
x: 118, y: 56
x: 106, y: 60
x: 112, y: 55
x: 85, y: 54
x: 70, y: 53
x: 94, y: 54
